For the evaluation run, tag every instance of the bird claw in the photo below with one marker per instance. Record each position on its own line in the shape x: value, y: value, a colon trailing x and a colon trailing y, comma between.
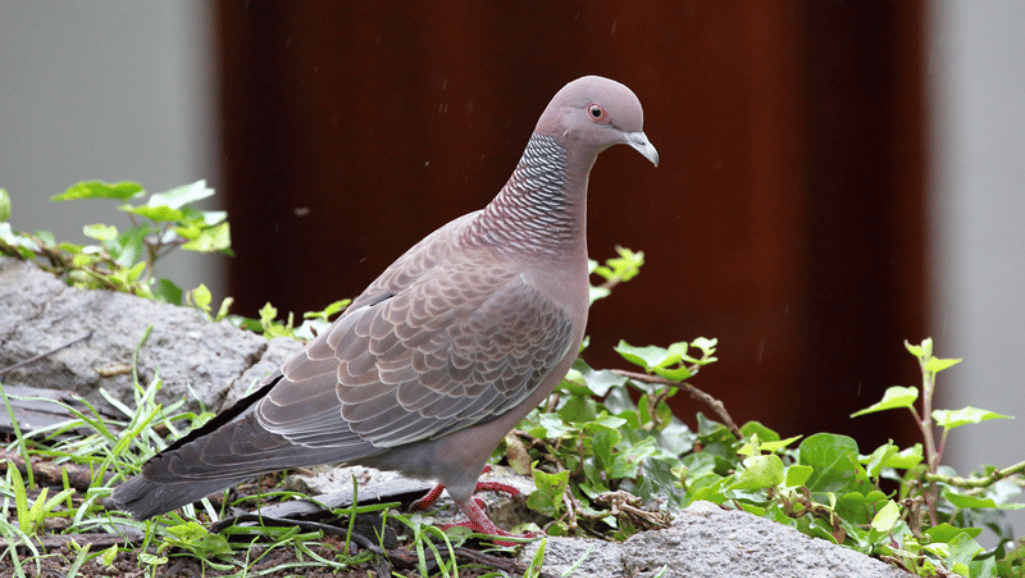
x: 493, y: 531
x: 432, y: 496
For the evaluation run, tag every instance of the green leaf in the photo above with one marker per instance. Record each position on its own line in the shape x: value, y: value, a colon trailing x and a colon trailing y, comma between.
x: 963, y: 550
x: 894, y: 397
x: 197, y: 539
x: 887, y: 517
x: 109, y: 555
x: 936, y: 365
x: 596, y: 293
x: 797, y: 475
x: 952, y: 418
x: 920, y: 351
x: 647, y: 357
x: 5, y: 206
x: 835, y: 461
x: 552, y: 427
x: 127, y: 248
x: 579, y: 409
x: 906, y: 458
x: 971, y: 502
x: 211, y: 218
x: 759, y: 472
x: 878, y: 458
x: 157, y: 213
x: 778, y: 445
x: 100, y: 232
x: 602, y: 443
x: 764, y: 434
x: 216, y: 238
x: 201, y: 297
x: 676, y: 374
x: 336, y: 307
x: 166, y: 291
x: 599, y: 382
x: 945, y: 532
x: 706, y: 345
x: 178, y: 197
x: 101, y: 190
x: 660, y: 480
x: 547, y: 499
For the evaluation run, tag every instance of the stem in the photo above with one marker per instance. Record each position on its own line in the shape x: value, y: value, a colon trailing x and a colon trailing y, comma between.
x: 716, y: 405
x: 932, y: 456
x: 997, y: 475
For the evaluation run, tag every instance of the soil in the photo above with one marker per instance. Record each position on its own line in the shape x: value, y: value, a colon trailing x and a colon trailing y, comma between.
x: 57, y: 564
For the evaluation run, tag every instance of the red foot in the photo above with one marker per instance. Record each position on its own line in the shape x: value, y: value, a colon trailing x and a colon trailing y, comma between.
x: 480, y: 522
x: 432, y: 496
x: 474, y: 509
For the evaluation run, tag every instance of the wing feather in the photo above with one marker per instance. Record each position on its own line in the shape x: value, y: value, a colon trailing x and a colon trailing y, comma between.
x: 456, y: 348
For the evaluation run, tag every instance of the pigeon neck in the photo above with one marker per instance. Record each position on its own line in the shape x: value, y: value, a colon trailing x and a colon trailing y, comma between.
x: 541, y: 210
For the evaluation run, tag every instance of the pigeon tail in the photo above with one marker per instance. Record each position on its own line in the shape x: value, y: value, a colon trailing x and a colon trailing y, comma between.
x: 144, y: 499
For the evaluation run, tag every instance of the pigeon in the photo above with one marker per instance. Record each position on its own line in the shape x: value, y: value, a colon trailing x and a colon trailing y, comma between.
x: 443, y: 354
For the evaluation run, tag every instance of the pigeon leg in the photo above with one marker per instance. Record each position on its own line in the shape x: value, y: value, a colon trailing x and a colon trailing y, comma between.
x: 480, y: 522
x: 432, y: 496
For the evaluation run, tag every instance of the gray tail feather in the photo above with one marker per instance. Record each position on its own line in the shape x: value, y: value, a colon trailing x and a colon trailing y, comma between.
x: 144, y: 499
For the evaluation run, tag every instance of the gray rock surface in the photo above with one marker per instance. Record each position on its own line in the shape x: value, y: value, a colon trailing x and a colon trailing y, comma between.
x: 39, y: 313
x: 221, y: 363
x: 708, y: 542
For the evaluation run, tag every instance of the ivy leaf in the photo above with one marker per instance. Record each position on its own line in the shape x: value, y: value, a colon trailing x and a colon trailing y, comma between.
x: 963, y: 550
x: 168, y: 292
x: 100, y: 232
x: 178, y: 197
x: 201, y: 297
x: 547, y: 498
x: 797, y: 475
x: 760, y: 472
x: 894, y: 397
x: 778, y: 445
x: 157, y: 213
x: 974, y: 502
x: 952, y: 418
x: 216, y: 238
x: 599, y: 382
x: 756, y: 428
x: 835, y: 460
x: 648, y: 356
x: 5, y: 206
x: 127, y: 248
x: 920, y: 351
x: 936, y: 365
x: 887, y: 517
x: 101, y: 190
x: 675, y: 373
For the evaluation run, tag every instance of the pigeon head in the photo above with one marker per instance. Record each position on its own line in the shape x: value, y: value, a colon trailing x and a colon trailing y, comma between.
x: 594, y: 113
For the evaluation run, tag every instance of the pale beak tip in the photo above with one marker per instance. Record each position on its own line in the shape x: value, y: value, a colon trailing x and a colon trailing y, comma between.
x: 639, y: 141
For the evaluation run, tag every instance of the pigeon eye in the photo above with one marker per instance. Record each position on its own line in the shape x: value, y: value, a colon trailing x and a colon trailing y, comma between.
x: 597, y: 113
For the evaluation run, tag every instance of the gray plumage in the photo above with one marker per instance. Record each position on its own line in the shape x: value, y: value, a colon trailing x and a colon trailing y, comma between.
x: 445, y: 352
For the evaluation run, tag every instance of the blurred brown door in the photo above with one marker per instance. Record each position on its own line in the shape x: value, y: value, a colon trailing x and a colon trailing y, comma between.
x: 786, y: 218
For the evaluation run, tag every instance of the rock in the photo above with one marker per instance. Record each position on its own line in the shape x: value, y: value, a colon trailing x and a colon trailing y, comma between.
x: 39, y: 313
x: 706, y: 540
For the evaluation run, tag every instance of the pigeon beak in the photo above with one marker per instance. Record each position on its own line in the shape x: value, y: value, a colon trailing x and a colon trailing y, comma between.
x: 639, y: 141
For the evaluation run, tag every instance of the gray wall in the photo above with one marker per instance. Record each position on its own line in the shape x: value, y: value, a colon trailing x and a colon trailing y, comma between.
x: 976, y: 72
x: 105, y: 90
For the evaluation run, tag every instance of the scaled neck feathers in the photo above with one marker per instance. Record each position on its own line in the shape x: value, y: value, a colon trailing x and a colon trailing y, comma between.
x: 533, y: 214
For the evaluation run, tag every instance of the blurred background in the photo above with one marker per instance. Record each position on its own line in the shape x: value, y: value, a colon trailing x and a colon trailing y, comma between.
x: 836, y: 177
